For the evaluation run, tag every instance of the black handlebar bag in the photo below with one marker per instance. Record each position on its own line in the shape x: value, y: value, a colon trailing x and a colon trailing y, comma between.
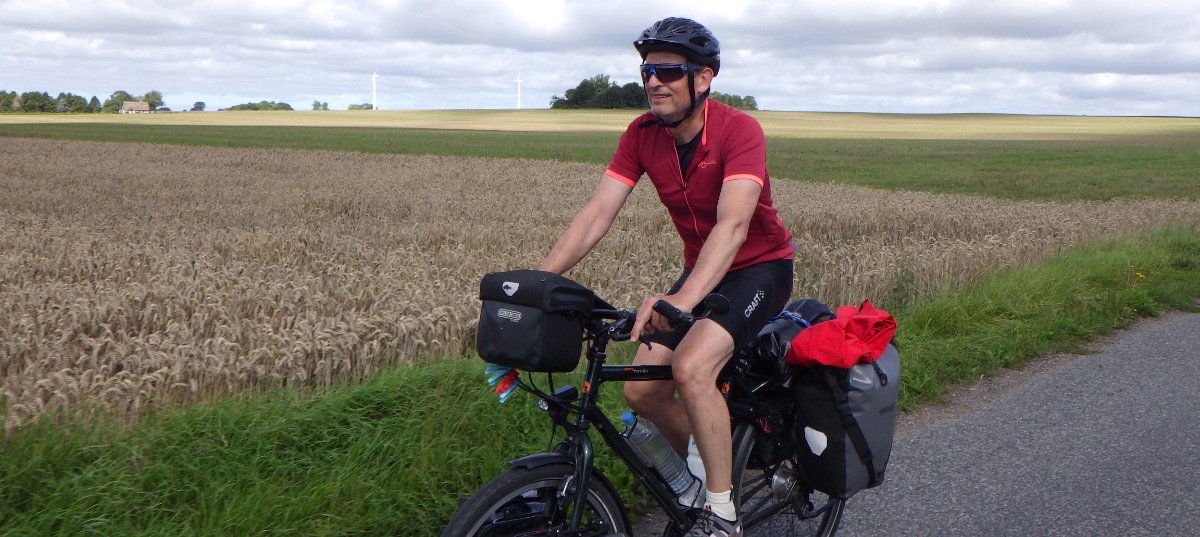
x: 532, y: 320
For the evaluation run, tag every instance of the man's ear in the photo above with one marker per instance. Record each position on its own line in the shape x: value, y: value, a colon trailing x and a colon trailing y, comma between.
x: 703, y: 80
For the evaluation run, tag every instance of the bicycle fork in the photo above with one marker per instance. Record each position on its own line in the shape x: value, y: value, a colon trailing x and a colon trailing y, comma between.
x: 583, y: 454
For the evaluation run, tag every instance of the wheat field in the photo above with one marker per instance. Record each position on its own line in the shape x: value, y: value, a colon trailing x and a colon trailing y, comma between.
x: 140, y: 276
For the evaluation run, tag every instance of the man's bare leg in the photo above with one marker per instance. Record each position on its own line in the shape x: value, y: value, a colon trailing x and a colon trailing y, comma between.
x: 698, y: 360
x: 655, y: 400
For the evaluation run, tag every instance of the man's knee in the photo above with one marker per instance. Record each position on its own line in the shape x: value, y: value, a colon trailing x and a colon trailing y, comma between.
x: 691, y: 375
x: 701, y: 356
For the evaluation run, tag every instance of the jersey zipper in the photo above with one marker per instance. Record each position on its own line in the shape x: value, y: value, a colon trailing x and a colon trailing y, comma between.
x: 686, y: 200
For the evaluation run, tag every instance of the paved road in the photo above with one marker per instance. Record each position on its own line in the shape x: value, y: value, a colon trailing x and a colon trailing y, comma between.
x: 1099, y: 444
x: 1103, y: 444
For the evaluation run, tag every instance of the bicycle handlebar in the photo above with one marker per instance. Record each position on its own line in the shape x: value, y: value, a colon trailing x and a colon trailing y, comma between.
x: 621, y: 326
x: 713, y: 304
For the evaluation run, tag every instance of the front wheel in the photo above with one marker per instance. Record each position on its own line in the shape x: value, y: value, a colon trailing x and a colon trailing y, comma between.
x: 526, y: 502
x: 763, y: 489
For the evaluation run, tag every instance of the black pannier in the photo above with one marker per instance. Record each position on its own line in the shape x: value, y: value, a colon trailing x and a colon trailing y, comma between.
x: 532, y: 320
x: 845, y: 422
x: 845, y: 419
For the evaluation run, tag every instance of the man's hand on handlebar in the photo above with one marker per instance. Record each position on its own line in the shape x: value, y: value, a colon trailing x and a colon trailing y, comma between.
x: 650, y: 321
x: 659, y: 313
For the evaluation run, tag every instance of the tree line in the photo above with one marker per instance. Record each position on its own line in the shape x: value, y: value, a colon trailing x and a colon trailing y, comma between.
x: 69, y: 103
x: 264, y: 105
x: 601, y: 92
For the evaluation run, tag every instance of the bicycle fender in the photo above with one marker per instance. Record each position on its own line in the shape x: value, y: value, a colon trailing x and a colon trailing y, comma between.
x: 539, y: 460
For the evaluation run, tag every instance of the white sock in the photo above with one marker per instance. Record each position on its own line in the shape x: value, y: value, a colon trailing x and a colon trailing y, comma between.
x: 721, y: 504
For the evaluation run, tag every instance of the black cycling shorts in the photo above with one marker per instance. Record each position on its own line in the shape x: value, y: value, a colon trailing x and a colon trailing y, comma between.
x: 756, y: 294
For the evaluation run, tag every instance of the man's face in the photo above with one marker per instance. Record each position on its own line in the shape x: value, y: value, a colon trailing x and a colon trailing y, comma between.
x: 670, y: 101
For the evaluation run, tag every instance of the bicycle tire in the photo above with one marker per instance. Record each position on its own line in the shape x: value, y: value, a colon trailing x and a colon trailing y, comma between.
x: 762, y: 491
x: 523, y: 501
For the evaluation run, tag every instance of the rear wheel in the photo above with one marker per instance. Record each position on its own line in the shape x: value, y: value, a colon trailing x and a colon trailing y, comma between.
x: 526, y: 501
x: 763, y: 489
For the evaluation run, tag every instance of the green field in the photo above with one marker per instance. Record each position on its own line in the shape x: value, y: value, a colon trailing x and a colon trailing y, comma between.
x: 392, y: 455
x: 1016, y: 157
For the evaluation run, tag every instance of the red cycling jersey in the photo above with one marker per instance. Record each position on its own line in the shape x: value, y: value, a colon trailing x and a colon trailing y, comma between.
x: 732, y: 147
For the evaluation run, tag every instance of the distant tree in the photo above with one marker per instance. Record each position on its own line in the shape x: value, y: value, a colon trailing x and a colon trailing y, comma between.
x: 600, y: 92
x: 199, y: 106
x: 6, y: 100
x: 316, y: 105
x: 71, y: 104
x: 154, y: 98
x: 736, y: 101
x: 324, y: 106
x: 16, y: 103
x: 113, y: 104
x: 94, y: 105
x: 32, y: 101
x: 364, y: 106
x: 264, y: 105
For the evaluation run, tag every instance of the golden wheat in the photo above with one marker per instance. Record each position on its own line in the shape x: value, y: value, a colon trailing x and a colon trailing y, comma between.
x: 140, y: 275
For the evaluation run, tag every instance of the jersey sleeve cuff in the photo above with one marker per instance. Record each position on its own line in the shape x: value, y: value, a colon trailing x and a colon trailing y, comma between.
x: 739, y: 176
x: 631, y: 182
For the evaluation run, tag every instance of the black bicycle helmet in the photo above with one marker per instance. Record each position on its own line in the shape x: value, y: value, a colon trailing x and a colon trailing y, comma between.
x: 681, y: 36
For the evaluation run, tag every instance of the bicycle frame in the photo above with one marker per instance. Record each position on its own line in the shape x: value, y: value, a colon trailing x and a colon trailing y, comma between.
x: 560, y: 405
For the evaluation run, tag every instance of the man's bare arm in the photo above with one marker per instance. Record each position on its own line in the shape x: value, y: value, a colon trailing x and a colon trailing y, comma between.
x: 590, y: 225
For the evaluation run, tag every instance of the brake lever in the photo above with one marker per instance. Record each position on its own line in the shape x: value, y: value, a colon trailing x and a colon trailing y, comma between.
x: 622, y: 328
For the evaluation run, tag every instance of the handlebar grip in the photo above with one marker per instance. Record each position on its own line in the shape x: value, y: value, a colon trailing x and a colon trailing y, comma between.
x: 665, y: 309
x: 676, y: 318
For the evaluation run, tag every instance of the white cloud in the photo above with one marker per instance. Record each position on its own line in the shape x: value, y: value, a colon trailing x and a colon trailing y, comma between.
x: 1020, y: 56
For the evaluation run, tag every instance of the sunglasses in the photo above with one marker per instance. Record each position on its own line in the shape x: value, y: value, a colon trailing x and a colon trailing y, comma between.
x: 666, y: 72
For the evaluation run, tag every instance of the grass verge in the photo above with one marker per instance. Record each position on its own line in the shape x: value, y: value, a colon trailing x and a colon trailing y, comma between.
x: 392, y: 455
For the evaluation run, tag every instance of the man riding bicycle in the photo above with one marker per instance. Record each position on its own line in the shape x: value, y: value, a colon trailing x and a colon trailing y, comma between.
x: 707, y: 162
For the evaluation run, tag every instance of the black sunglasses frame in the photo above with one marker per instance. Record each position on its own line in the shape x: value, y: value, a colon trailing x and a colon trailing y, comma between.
x: 667, y: 72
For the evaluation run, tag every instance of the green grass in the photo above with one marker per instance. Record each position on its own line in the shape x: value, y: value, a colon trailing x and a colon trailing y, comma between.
x: 1060, y: 170
x: 1104, y: 168
x: 1054, y: 307
x: 392, y: 455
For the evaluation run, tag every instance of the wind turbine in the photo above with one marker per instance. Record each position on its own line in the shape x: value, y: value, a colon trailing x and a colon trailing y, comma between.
x: 374, y: 76
x: 518, y: 81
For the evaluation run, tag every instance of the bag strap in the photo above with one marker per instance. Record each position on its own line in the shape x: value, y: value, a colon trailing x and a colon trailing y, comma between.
x: 841, y: 399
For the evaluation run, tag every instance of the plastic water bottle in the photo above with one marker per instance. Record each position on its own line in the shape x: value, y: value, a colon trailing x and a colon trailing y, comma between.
x: 655, y: 450
x: 695, y: 496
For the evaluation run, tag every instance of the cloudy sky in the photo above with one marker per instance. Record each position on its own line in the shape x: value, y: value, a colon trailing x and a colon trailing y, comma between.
x: 1089, y: 57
